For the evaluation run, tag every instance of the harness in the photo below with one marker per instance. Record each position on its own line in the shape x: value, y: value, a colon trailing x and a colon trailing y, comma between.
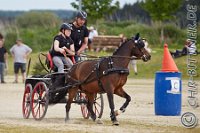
x: 110, y: 70
x: 102, y: 70
x: 99, y: 73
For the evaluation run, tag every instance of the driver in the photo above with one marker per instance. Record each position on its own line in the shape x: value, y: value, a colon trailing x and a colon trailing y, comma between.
x: 79, y: 33
x: 63, y: 46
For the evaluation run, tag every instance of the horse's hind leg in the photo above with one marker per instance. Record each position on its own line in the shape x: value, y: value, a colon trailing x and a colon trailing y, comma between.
x: 120, y: 92
x: 90, y: 105
x: 72, y: 92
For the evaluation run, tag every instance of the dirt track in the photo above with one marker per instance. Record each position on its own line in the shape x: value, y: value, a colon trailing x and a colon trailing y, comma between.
x: 139, y: 116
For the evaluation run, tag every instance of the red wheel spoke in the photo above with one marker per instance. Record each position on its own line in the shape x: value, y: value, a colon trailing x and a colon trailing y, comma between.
x: 40, y: 100
x: 97, y: 104
x: 26, y: 103
x: 39, y: 110
x: 36, y: 112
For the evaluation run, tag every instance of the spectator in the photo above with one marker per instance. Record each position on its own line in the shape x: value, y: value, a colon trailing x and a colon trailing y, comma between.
x: 20, y: 52
x: 123, y: 38
x: 92, y: 34
x: 134, y: 65
x: 146, y: 45
x: 189, y: 48
x: 134, y: 62
x: 79, y: 34
x: 1, y: 36
x: 63, y: 44
x: 3, y: 59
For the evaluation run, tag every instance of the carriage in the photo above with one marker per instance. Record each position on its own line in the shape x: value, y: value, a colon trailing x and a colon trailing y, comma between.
x: 39, y: 93
x: 84, y: 84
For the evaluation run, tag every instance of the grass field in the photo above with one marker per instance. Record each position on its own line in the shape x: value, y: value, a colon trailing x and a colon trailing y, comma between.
x: 145, y: 69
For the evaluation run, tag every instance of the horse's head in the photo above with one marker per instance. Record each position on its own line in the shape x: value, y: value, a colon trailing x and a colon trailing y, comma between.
x: 139, y: 50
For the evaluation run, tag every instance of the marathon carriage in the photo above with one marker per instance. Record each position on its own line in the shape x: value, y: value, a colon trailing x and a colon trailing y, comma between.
x: 93, y: 77
x: 39, y: 93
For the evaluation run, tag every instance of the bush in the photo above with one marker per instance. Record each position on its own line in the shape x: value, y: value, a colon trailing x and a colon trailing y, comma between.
x: 173, y: 35
x: 35, y: 19
x: 38, y: 69
x: 40, y: 38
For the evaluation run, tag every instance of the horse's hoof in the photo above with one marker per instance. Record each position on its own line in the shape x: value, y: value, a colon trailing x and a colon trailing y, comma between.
x: 66, y: 120
x: 117, y: 112
x: 115, y: 123
x: 99, y: 121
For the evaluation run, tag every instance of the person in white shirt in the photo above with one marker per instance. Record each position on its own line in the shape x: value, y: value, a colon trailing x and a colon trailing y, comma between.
x: 92, y: 34
x: 134, y: 62
x: 20, y: 52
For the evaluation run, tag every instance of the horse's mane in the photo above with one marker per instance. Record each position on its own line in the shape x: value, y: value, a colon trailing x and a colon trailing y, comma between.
x: 122, y: 45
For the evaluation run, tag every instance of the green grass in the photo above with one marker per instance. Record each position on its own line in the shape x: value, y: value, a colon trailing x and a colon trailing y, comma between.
x: 148, y: 69
x: 145, y: 69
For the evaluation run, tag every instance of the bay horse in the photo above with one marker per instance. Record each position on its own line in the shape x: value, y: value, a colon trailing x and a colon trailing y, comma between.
x: 106, y: 75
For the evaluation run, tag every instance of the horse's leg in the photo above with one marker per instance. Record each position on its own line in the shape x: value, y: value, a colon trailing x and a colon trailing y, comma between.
x: 90, y: 97
x: 72, y: 92
x: 112, y: 107
x: 120, y: 92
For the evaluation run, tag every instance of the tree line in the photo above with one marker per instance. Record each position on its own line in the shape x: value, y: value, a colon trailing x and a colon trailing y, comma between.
x: 37, y: 27
x: 129, y: 12
x: 137, y: 13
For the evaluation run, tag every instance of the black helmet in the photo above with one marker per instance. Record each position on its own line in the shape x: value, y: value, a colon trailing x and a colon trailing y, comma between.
x: 65, y: 26
x: 81, y: 14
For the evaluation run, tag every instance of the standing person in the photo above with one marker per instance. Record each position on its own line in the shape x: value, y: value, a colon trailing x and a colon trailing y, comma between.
x: 79, y: 33
x: 92, y: 33
x: 3, y: 59
x: 134, y: 62
x: 20, y: 52
x: 62, y: 44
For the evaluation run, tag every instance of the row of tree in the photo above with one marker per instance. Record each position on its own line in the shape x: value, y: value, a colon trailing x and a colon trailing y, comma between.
x: 148, y: 10
x: 38, y: 27
x: 11, y: 15
x: 142, y: 11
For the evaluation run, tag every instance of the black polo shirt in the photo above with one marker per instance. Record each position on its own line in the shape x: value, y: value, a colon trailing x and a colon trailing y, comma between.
x: 62, y: 42
x: 78, y: 35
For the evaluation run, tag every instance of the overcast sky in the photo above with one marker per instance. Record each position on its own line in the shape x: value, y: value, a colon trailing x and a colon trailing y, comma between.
x: 43, y: 4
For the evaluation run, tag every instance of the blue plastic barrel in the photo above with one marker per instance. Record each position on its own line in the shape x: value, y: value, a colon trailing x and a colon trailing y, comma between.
x: 168, y: 89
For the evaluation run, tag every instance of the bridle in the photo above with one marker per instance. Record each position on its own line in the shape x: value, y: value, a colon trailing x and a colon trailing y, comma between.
x: 140, y: 45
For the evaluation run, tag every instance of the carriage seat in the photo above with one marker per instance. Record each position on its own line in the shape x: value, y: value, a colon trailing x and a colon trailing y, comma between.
x: 50, y: 64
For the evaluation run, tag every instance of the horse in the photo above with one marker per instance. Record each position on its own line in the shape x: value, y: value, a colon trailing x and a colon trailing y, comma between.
x: 105, y: 75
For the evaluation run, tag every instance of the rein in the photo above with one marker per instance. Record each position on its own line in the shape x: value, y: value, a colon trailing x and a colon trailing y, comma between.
x: 98, y: 75
x: 114, y: 56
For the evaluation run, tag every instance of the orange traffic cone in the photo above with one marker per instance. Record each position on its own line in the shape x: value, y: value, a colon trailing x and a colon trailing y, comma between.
x: 168, y: 64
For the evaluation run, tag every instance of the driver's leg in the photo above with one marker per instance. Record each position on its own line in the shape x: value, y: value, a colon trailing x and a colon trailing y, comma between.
x: 67, y: 61
x: 58, y: 63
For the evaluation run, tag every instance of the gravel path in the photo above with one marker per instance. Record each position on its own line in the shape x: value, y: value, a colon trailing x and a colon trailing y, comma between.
x: 139, y: 116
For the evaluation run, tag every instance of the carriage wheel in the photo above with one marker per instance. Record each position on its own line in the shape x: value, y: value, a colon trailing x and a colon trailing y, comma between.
x: 39, y: 101
x: 97, y: 106
x: 84, y: 109
x: 26, y: 103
